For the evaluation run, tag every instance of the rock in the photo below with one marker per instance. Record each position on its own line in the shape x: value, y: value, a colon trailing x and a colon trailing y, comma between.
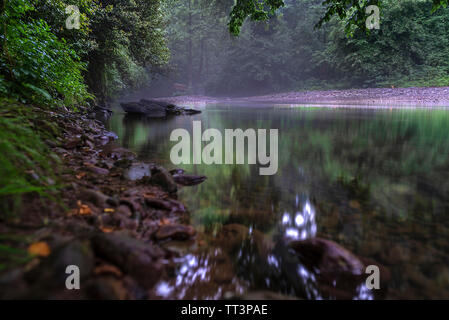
x: 138, y: 259
x: 188, y: 180
x: 327, y: 256
x: 175, y: 232
x: 97, y: 170
x: 125, y: 210
x: 73, y: 143
x: 60, y: 150
x: 168, y: 205
x: 156, y: 109
x: 177, y: 171
x: 96, y: 197
x: 165, y: 105
x: 117, y: 153
x: 191, y: 111
x: 123, y: 163
x: 151, y: 110
x: 232, y: 236
x: 159, y: 204
x: 137, y: 171
x: 110, y: 135
x: 51, y: 275
x: 161, y: 177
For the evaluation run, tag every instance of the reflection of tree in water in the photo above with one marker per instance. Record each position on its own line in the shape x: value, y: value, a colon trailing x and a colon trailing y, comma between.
x: 401, y: 156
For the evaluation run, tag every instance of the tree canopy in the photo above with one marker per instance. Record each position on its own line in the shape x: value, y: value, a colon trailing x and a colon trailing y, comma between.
x: 353, y: 12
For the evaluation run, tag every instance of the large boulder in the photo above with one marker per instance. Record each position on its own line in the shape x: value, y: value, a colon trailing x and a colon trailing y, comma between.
x: 139, y: 259
x: 328, y: 256
x: 151, y: 110
x: 156, y: 109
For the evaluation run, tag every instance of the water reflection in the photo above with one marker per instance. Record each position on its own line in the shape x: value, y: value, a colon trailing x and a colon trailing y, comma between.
x: 301, y: 224
x: 376, y: 182
x: 206, y: 275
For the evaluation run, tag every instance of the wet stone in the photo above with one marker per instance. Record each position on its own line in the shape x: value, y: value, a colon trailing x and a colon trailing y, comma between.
x: 161, y: 177
x: 175, y: 232
x: 137, y: 171
x: 139, y: 259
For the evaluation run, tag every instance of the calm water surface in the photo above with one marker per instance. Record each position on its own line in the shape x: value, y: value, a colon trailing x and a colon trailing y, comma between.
x: 374, y: 181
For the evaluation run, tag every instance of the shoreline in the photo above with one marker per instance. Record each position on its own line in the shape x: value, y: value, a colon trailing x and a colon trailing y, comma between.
x: 116, y: 214
x: 371, y: 98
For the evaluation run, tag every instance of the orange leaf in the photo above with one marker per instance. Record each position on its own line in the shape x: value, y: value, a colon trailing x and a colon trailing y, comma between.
x: 106, y: 229
x: 164, y: 222
x: 40, y: 249
x: 108, y: 269
x: 80, y: 175
x: 84, y: 210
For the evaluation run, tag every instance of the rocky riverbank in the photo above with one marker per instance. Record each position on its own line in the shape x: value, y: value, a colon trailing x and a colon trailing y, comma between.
x: 114, y: 214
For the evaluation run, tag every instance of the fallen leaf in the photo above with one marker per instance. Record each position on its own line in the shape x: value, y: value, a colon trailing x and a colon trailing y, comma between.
x: 108, y: 269
x: 83, y: 209
x: 80, y: 175
x: 109, y: 210
x: 150, y: 195
x: 164, y: 222
x: 354, y: 204
x: 106, y: 229
x: 40, y: 249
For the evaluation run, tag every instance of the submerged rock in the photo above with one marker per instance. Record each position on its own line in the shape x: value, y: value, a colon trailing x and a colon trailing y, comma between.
x: 161, y: 177
x: 175, y: 232
x: 188, y: 180
x: 50, y: 275
x: 140, y: 260
x: 327, y: 256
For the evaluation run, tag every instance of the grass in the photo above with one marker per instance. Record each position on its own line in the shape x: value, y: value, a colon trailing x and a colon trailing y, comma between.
x: 26, y: 163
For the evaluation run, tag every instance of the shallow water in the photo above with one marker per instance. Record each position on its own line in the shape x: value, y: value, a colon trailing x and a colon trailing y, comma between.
x: 374, y: 181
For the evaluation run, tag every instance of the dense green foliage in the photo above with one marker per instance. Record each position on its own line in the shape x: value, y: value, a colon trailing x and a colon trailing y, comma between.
x: 352, y: 12
x: 46, y: 62
x: 288, y: 53
x: 43, y: 61
x: 122, y: 44
x: 35, y: 64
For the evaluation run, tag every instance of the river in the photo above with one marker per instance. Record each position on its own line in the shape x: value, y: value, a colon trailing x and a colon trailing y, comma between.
x: 376, y: 181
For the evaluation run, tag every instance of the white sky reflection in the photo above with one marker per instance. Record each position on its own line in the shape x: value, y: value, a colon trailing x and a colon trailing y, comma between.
x: 300, y: 224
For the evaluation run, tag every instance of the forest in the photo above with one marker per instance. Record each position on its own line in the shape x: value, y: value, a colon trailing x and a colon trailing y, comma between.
x: 67, y: 178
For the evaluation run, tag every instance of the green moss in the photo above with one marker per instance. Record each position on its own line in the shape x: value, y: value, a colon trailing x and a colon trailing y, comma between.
x: 26, y: 165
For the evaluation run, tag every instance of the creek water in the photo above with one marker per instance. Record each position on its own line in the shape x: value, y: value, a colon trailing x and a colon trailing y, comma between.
x: 375, y: 181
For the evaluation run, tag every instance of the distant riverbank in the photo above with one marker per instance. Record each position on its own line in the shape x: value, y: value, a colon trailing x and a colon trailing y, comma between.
x: 375, y: 97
